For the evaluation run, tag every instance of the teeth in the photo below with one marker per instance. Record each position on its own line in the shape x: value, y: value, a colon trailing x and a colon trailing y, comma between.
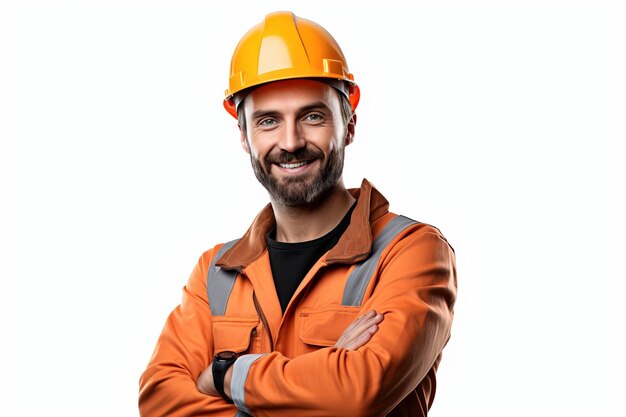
x: 292, y: 166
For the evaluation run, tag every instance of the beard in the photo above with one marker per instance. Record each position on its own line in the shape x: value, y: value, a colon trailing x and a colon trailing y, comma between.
x: 300, y: 190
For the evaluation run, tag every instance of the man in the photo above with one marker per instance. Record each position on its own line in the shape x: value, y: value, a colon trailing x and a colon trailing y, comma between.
x: 329, y: 305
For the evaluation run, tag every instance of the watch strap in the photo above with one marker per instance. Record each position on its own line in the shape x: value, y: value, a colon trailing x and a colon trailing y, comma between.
x: 220, y: 366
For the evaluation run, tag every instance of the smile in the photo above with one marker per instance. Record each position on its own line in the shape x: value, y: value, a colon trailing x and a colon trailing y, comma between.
x: 293, y: 165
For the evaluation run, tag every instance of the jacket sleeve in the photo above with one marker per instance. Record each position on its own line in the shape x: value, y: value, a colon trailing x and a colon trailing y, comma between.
x: 416, y: 291
x: 168, y: 385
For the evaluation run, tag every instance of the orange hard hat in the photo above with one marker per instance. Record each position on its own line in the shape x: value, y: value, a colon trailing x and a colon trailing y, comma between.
x: 282, y: 47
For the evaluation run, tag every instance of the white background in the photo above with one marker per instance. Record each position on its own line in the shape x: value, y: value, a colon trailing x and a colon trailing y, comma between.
x: 501, y: 122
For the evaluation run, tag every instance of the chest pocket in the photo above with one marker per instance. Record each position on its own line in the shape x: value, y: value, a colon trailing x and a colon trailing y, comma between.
x: 240, y: 334
x: 322, y: 327
x: 237, y: 334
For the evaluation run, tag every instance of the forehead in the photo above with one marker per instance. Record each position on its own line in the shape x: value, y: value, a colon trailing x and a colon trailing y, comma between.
x: 290, y: 95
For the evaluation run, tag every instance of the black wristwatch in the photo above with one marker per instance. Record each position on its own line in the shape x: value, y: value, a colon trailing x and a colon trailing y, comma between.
x: 221, y: 362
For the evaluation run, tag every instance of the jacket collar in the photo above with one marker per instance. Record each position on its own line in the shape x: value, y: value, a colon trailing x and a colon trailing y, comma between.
x: 354, y: 245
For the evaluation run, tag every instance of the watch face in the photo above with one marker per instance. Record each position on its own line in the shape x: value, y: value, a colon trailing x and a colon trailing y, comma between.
x: 226, y: 355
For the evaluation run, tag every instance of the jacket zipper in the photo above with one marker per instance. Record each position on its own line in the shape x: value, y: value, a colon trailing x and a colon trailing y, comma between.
x: 257, y: 306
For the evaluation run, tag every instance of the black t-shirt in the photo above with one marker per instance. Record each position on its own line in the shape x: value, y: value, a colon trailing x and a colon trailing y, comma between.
x: 291, y: 261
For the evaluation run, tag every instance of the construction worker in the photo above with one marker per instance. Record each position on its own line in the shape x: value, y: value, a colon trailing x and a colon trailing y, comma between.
x: 329, y: 305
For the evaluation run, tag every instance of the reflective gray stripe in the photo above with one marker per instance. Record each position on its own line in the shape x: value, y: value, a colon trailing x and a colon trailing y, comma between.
x: 219, y: 283
x: 362, y: 274
x: 242, y: 414
x: 241, y: 368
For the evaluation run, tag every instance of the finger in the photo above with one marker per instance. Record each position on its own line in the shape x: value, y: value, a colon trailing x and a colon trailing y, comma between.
x: 364, y: 325
x: 357, y: 328
x: 362, y: 338
x: 362, y: 318
x: 367, y: 314
x: 365, y: 329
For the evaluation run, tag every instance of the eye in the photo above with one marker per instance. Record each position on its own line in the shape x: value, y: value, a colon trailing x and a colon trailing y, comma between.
x: 314, y: 117
x: 267, y: 122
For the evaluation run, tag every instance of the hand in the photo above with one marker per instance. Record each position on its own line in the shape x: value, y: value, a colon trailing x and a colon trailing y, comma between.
x: 360, y: 331
x: 205, y: 382
x: 357, y: 334
x: 206, y: 385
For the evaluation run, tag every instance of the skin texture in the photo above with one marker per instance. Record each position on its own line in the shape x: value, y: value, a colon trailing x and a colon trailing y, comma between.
x: 297, y: 121
x: 360, y: 331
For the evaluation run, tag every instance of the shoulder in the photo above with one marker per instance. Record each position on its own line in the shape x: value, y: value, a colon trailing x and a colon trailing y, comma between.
x: 206, y: 262
x: 420, y: 251
x: 402, y: 229
x: 425, y: 231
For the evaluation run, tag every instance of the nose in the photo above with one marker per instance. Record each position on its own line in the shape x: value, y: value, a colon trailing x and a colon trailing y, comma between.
x: 292, y: 138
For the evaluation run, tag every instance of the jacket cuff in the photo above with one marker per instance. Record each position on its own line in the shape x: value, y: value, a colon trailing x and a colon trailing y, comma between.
x: 241, y: 368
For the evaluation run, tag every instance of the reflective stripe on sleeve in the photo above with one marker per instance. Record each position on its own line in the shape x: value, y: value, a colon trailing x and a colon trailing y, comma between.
x: 362, y: 274
x: 241, y: 368
x: 219, y: 283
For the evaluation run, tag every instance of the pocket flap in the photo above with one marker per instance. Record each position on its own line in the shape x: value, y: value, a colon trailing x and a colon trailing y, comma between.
x: 233, y: 333
x: 324, y: 326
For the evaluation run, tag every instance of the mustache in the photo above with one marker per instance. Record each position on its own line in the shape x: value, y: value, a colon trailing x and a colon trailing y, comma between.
x: 302, y: 154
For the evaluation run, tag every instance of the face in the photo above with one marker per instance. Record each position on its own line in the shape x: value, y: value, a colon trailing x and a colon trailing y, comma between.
x: 296, y: 135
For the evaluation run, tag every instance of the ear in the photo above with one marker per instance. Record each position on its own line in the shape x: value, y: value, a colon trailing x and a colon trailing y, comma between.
x: 351, y: 129
x: 244, y: 141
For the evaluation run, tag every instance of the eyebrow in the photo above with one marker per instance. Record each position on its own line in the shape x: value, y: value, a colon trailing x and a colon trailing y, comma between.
x: 315, y: 106
x: 319, y: 105
x: 263, y: 113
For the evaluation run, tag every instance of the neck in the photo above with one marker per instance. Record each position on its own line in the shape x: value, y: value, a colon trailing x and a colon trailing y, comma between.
x: 300, y: 224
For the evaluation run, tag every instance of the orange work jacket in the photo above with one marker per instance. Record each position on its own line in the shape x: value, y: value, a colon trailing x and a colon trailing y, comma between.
x: 288, y: 365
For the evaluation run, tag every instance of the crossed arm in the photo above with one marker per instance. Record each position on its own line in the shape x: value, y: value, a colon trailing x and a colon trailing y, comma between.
x: 357, y: 334
x: 367, y: 371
